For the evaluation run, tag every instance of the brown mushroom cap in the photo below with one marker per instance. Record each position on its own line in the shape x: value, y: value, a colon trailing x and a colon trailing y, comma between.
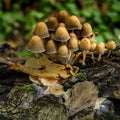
x: 52, y: 23
x: 41, y: 30
x: 35, y: 45
x: 86, y: 30
x: 85, y: 44
x: 73, y: 23
x: 73, y: 44
x: 100, y: 48
x: 111, y: 45
x: 93, y: 46
x: 73, y: 35
x: 63, y: 51
x: 62, y: 16
x: 61, y: 34
x: 51, y: 47
x: 61, y: 25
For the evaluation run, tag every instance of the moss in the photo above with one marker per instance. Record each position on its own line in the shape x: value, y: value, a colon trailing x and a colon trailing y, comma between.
x: 108, y: 80
x: 28, y: 88
x: 81, y: 75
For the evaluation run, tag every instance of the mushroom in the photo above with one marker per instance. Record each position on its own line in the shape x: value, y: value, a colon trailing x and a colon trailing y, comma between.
x: 35, y: 45
x: 73, y: 23
x: 92, y: 49
x: 86, y: 30
x: 73, y: 35
x: 63, y: 54
x: 84, y: 46
x: 41, y: 30
x: 61, y: 34
x: 73, y: 44
x: 52, y: 24
x: 61, y: 25
x: 100, y: 49
x: 73, y: 47
x: 62, y: 16
x: 51, y: 49
x: 110, y: 45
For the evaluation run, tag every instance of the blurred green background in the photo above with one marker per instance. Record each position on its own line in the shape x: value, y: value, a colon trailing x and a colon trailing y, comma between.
x: 22, y: 16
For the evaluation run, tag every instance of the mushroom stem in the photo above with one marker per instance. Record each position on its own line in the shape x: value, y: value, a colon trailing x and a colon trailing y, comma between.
x: 109, y: 52
x: 99, y: 58
x: 37, y: 55
x: 92, y: 56
x: 84, y: 57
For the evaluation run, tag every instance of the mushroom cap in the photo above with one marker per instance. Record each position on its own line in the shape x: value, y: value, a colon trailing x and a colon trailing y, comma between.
x: 41, y: 30
x: 85, y: 44
x: 35, y: 45
x: 61, y: 34
x: 63, y: 51
x: 73, y: 44
x: 73, y: 23
x: 100, y: 48
x: 93, y: 46
x: 73, y: 35
x: 62, y: 16
x: 52, y: 23
x: 111, y: 45
x: 86, y: 30
x: 61, y: 25
x: 50, y: 47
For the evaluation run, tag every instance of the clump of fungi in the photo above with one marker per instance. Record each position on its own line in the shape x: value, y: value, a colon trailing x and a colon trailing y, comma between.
x: 65, y: 40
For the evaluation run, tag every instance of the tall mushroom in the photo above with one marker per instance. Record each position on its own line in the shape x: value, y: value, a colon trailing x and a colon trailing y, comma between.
x: 110, y: 45
x: 100, y: 49
x: 84, y: 46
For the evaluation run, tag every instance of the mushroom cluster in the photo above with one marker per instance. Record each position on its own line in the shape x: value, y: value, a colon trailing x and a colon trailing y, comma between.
x: 63, y: 38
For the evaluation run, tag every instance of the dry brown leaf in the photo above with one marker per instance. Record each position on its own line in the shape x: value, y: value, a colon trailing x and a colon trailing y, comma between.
x: 44, y: 68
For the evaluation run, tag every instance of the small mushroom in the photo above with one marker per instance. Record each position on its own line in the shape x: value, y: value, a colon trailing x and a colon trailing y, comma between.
x: 41, y: 30
x: 61, y: 34
x: 52, y: 23
x: 61, y: 25
x: 73, y: 44
x: 110, y: 45
x: 92, y: 49
x: 63, y: 54
x: 62, y: 16
x: 73, y: 35
x: 50, y: 47
x: 35, y: 45
x: 100, y: 49
x: 86, y: 30
x: 73, y: 23
x: 63, y: 51
x: 84, y: 46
